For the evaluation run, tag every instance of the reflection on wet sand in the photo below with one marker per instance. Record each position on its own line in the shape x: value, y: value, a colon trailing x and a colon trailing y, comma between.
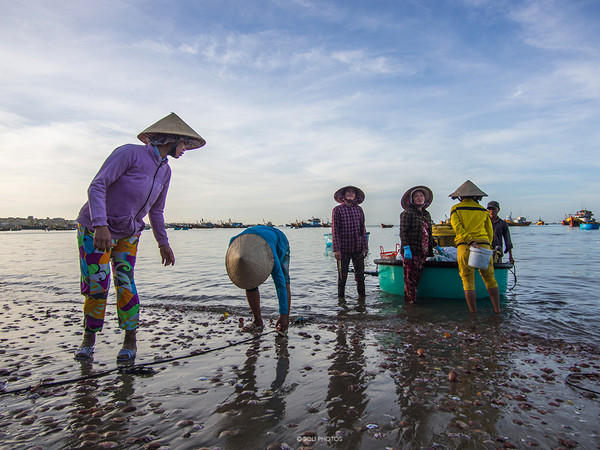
x: 440, y: 400
x: 361, y: 380
x: 93, y: 420
x: 251, y: 409
x: 346, y: 391
x: 85, y: 419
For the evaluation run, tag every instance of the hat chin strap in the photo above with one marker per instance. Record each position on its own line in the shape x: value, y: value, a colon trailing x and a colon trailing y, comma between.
x: 172, y: 151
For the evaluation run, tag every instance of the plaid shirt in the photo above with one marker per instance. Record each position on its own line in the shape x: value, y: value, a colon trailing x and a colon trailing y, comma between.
x: 348, y: 229
x: 411, y: 230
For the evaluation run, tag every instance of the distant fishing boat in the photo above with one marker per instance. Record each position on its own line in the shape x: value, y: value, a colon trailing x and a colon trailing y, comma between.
x: 582, y: 216
x: 230, y: 224
x: 386, y: 225
x: 313, y: 222
x: 540, y: 222
x: 589, y: 225
x: 203, y: 224
x: 440, y: 279
x: 518, y: 222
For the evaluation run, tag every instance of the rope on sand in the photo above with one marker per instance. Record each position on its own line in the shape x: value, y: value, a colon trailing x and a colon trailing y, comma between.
x: 134, y: 369
x: 580, y: 376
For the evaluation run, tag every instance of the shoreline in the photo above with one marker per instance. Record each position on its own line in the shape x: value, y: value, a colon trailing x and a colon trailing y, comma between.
x: 345, y: 384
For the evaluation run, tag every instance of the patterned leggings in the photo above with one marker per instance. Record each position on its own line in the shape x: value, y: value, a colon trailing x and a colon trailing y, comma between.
x: 413, y: 268
x: 95, y: 280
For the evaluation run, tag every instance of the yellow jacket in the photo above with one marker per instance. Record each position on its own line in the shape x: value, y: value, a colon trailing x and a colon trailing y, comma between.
x: 471, y: 223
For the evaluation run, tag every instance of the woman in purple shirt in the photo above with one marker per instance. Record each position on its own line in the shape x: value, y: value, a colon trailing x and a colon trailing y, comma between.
x: 132, y: 183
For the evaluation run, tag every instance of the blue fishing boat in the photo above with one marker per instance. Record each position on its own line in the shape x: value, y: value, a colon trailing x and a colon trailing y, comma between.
x: 440, y: 279
x: 589, y: 225
x: 313, y: 222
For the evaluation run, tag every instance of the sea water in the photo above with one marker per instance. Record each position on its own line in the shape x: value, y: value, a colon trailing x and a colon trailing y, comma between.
x: 555, y: 291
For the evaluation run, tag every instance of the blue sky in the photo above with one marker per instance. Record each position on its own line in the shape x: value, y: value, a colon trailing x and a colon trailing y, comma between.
x: 297, y: 98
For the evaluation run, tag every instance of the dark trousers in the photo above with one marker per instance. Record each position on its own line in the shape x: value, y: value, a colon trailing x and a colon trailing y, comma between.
x: 358, y: 262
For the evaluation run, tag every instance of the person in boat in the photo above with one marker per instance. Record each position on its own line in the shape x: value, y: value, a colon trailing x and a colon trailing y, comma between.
x: 132, y: 183
x: 349, y: 238
x: 251, y: 256
x: 416, y: 237
x: 473, y: 227
x: 501, y: 232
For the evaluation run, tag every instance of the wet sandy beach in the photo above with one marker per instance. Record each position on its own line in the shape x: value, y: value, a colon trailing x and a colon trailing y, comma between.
x: 350, y: 382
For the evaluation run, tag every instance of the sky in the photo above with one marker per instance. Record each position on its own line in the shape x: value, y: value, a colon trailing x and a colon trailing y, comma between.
x: 297, y: 98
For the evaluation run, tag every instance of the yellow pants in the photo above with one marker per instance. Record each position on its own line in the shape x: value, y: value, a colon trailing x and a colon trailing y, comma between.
x: 467, y: 273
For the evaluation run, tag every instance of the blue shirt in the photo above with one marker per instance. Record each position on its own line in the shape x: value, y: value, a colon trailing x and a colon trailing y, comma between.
x: 281, y: 248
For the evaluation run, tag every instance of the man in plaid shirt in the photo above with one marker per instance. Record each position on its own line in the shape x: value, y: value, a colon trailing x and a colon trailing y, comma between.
x: 349, y: 237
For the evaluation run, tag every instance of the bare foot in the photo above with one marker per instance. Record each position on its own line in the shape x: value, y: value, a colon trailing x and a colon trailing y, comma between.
x: 130, y: 340
x: 89, y: 339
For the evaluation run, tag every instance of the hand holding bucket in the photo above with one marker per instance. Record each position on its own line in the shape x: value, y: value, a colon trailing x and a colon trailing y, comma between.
x: 479, y: 257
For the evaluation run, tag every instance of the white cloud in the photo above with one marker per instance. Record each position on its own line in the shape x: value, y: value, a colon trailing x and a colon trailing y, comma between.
x: 299, y: 98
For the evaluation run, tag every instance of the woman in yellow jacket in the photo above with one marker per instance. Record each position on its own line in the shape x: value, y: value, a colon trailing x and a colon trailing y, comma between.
x: 473, y: 227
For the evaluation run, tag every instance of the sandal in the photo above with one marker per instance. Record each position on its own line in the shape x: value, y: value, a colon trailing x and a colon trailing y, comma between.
x: 282, y: 333
x: 84, y: 353
x: 126, y: 355
x: 252, y: 328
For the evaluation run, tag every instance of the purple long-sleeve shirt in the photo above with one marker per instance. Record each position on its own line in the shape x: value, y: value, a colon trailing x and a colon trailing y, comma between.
x: 132, y: 183
x: 348, y: 229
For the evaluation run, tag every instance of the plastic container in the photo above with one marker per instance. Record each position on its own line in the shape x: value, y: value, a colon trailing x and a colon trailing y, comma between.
x: 388, y: 255
x: 479, y: 258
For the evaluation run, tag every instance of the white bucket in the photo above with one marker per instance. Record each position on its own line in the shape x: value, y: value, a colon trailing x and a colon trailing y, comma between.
x: 479, y: 258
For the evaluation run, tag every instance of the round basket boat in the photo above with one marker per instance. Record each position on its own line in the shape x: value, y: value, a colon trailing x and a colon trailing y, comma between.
x: 444, y: 235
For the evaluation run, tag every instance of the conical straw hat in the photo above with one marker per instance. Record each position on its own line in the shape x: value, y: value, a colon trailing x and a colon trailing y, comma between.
x: 172, y: 124
x: 407, y: 197
x: 249, y: 261
x: 339, y: 195
x: 468, y: 189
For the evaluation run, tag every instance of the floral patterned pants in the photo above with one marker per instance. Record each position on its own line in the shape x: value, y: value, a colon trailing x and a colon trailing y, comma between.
x: 413, y: 268
x: 95, y: 268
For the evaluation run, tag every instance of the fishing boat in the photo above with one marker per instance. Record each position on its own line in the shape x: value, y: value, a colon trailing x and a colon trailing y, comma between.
x: 582, y: 216
x: 203, y: 224
x: 230, y: 224
x: 540, y: 222
x: 386, y: 225
x: 440, y: 279
x: 589, y: 225
x: 518, y: 222
x: 313, y: 222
